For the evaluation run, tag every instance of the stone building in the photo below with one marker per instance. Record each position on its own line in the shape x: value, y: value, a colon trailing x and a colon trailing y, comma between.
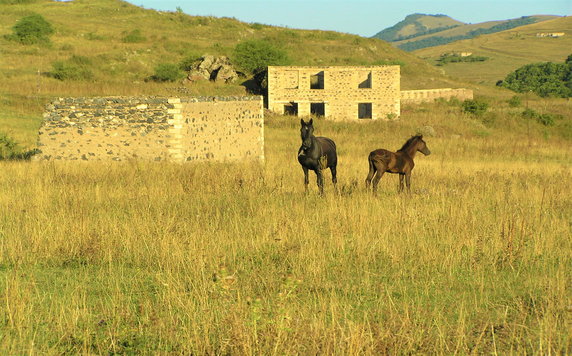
x: 151, y: 128
x: 336, y: 92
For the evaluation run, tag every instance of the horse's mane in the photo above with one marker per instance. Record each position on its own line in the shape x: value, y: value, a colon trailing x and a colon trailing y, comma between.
x: 410, y: 142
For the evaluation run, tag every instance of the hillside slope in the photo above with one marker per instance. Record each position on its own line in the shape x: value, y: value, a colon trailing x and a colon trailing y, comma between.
x: 416, y: 25
x: 435, y: 36
x: 96, y: 29
x: 507, y: 51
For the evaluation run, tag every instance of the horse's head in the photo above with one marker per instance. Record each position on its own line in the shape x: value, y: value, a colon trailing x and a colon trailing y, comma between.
x: 306, y: 133
x: 422, y: 146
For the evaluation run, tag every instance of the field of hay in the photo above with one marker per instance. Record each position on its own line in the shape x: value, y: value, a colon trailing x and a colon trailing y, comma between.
x: 213, y: 258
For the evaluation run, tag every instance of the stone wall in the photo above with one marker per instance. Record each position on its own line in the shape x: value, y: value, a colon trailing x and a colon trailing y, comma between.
x: 342, y: 92
x: 152, y: 128
x: 424, y: 96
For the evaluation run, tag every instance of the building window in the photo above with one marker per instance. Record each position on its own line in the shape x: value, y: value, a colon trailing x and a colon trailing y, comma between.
x: 364, y: 80
x: 318, y: 109
x: 317, y: 80
x: 364, y: 111
x: 291, y: 109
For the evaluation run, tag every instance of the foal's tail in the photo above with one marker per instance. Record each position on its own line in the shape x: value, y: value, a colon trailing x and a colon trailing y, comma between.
x: 372, y: 169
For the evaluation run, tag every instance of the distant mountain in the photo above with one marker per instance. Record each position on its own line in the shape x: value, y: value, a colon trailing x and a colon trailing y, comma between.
x: 421, y: 31
x: 416, y: 25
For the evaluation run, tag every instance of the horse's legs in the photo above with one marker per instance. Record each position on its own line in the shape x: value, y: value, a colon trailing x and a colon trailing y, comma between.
x: 334, y: 178
x: 380, y: 171
x: 320, y: 180
x: 306, y: 179
x: 401, y: 176
x: 408, y: 181
x: 371, y: 173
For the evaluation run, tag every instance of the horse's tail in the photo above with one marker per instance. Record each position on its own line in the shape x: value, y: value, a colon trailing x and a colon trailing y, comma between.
x: 372, y: 168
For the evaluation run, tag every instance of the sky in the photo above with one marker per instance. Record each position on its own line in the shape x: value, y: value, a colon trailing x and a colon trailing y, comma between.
x: 360, y: 17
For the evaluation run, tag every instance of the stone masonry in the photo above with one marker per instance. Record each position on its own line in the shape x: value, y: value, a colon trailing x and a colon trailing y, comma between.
x: 153, y: 128
x: 424, y: 96
x: 336, y: 92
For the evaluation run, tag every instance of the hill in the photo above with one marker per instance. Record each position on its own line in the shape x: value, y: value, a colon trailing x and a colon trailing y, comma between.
x: 506, y: 51
x: 121, y: 44
x: 454, y: 32
x: 416, y: 25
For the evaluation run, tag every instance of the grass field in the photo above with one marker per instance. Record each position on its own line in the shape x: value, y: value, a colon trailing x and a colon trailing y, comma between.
x: 213, y: 258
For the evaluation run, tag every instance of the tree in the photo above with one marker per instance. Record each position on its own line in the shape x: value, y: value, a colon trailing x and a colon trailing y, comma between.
x: 32, y: 29
x: 254, y: 56
x: 544, y: 79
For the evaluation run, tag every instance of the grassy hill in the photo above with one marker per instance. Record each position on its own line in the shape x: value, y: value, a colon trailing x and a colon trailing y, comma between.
x: 95, y: 33
x: 507, y: 51
x: 417, y: 25
x: 422, y: 31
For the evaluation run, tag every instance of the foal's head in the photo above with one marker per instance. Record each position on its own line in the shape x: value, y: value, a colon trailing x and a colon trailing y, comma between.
x: 306, y: 133
x: 421, y: 145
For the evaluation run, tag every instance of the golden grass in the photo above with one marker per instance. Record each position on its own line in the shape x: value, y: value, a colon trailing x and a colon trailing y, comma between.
x: 219, y: 258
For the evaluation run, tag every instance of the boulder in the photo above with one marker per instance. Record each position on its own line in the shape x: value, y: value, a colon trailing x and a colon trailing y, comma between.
x: 213, y: 68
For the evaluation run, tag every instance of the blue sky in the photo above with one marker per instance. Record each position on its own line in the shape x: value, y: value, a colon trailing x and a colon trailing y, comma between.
x: 361, y: 17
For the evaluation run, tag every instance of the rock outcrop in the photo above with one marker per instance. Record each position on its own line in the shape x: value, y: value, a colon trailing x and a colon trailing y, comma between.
x: 218, y: 69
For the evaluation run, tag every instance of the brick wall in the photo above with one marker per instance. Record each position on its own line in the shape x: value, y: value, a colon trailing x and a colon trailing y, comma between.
x: 151, y: 128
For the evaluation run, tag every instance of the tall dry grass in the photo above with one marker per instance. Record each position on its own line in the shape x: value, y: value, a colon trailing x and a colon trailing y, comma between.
x: 217, y: 258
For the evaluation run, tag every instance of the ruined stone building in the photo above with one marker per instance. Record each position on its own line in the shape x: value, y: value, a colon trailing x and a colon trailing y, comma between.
x: 152, y: 128
x: 336, y: 92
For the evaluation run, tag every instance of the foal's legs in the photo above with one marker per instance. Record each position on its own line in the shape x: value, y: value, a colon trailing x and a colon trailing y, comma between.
x: 401, y: 176
x: 408, y: 181
x: 381, y: 168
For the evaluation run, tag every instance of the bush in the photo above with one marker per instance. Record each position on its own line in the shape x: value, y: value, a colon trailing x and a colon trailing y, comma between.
x: 255, y: 55
x: 167, y: 72
x: 475, y: 107
x: 10, y: 150
x: 515, y: 101
x: 75, y: 68
x: 134, y: 36
x: 544, y: 119
x: 32, y: 29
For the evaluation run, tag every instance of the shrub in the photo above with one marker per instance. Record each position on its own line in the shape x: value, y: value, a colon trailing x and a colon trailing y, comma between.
x: 134, y: 36
x: 475, y: 107
x: 254, y: 56
x: 167, y: 72
x: 32, y: 29
x: 515, y: 101
x: 10, y: 150
x: 544, y: 119
x: 75, y: 68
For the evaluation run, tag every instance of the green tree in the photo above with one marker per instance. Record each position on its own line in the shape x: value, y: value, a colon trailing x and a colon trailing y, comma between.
x: 32, y: 29
x: 544, y: 79
x: 254, y: 56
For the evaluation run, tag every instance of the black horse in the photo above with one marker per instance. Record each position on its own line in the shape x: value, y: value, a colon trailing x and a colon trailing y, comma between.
x: 317, y: 154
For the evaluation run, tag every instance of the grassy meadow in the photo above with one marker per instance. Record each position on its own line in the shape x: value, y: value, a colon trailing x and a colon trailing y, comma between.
x: 213, y: 258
